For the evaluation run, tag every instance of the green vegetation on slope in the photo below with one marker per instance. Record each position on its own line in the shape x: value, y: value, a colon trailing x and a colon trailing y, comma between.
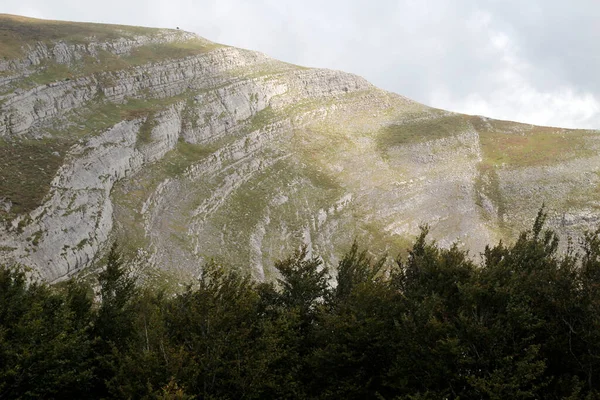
x: 16, y: 31
x: 305, y: 190
x: 422, y: 129
x: 132, y: 194
x: 102, y: 115
x: 27, y: 167
x: 106, y: 63
x: 523, y: 324
x: 165, y: 51
x: 521, y: 145
x: 502, y: 142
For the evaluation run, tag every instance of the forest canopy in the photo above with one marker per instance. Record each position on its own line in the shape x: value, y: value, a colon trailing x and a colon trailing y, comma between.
x: 522, y: 323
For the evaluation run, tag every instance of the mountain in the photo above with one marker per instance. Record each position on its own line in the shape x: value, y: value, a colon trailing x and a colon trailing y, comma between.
x: 183, y: 150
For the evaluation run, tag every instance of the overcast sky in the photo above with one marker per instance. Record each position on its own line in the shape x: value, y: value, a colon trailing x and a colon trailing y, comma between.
x: 535, y: 61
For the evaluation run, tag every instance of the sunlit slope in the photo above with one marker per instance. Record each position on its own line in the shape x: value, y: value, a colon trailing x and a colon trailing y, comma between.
x: 183, y: 151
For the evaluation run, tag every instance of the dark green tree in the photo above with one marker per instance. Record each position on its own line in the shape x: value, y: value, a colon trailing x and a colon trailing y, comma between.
x: 353, y: 332
x: 113, y: 327
x: 44, y: 347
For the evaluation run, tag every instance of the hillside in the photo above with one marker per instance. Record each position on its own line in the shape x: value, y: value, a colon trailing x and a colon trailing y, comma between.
x: 184, y: 150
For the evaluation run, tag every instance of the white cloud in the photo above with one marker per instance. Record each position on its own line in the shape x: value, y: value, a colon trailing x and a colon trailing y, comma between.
x: 510, y: 93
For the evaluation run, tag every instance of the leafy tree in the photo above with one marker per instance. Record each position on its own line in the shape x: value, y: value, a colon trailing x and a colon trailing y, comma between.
x: 216, y: 326
x: 114, y: 319
x: 352, y: 350
x: 304, y: 283
x: 356, y: 268
x: 114, y: 323
x: 44, y: 349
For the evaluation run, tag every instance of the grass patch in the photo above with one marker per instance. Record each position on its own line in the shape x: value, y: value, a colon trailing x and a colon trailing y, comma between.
x: 102, y: 115
x: 145, y: 133
x: 16, y: 31
x: 185, y: 154
x: 520, y: 145
x: 50, y: 72
x: 261, y: 119
x: 421, y: 130
x: 27, y: 167
x: 164, y: 51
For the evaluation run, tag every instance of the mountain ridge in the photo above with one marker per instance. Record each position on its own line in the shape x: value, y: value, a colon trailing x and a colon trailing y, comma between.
x: 186, y: 150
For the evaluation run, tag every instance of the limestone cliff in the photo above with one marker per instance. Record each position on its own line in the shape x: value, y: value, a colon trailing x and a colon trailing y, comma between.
x: 184, y: 150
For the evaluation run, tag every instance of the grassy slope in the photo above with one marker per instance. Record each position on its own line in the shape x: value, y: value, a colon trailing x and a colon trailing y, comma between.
x: 17, y: 34
x: 505, y: 146
x: 523, y: 145
x: 509, y: 146
x: 17, y: 31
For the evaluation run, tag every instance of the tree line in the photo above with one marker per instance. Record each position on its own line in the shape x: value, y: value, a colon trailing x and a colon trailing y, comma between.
x: 524, y: 323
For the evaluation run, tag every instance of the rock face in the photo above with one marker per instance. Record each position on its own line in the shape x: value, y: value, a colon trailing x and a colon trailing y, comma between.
x: 185, y: 151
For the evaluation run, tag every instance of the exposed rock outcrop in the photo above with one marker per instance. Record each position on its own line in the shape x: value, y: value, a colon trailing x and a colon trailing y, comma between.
x: 226, y: 154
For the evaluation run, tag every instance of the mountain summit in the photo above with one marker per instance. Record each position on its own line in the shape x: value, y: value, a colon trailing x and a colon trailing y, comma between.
x: 183, y: 150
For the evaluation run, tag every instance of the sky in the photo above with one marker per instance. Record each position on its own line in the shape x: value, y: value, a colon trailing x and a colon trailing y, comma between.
x: 533, y: 61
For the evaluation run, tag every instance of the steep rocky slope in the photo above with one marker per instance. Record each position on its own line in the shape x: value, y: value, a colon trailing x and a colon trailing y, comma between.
x: 184, y: 150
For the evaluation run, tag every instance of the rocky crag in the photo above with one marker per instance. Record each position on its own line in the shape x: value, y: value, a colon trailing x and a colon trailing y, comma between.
x: 184, y: 151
